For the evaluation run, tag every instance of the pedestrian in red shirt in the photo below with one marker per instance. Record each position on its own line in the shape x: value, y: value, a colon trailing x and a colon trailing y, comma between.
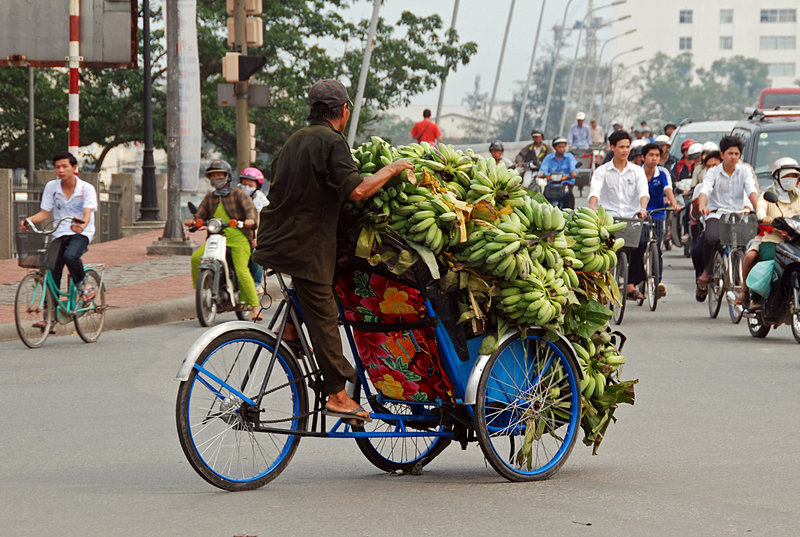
x: 426, y: 130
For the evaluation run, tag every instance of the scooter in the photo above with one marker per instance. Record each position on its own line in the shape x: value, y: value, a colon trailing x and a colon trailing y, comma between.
x: 528, y: 172
x: 783, y: 303
x: 217, y: 285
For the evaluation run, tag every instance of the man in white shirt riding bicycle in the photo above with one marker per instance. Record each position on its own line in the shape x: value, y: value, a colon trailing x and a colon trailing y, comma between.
x: 68, y: 196
x: 621, y: 188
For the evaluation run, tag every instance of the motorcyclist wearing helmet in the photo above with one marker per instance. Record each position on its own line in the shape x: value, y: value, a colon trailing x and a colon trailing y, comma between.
x: 535, y: 152
x: 667, y: 160
x: 229, y: 203
x: 250, y: 181
x: 496, y: 149
x: 636, y: 156
x: 669, y: 128
x: 560, y: 162
x: 684, y: 161
x: 700, y: 169
x: 785, y: 178
x: 693, y: 153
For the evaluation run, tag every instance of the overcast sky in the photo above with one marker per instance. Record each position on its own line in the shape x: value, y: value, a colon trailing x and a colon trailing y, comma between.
x: 484, y: 22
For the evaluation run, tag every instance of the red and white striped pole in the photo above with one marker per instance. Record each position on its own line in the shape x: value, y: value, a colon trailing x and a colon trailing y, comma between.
x: 74, y: 62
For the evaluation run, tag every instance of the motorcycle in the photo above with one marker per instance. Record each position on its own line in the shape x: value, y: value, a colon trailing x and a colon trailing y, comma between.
x: 217, y: 288
x: 783, y: 303
x: 528, y: 172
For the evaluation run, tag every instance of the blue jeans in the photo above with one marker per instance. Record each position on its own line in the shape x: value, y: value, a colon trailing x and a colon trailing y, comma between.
x: 68, y: 250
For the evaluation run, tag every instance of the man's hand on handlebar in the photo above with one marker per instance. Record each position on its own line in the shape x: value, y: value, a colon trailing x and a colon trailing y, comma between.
x: 249, y: 223
x: 643, y: 214
x: 78, y: 225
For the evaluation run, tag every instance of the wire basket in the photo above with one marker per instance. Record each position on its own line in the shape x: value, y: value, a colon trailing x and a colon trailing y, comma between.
x: 736, y: 230
x: 632, y: 232
x: 31, y: 249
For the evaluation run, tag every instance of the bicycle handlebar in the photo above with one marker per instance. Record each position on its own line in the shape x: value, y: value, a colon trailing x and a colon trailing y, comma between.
x: 33, y: 229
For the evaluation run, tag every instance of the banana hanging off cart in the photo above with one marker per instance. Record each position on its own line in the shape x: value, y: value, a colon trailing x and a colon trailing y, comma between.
x: 473, y: 313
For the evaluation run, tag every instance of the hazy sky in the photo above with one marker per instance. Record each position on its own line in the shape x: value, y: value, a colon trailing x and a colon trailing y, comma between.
x: 484, y: 22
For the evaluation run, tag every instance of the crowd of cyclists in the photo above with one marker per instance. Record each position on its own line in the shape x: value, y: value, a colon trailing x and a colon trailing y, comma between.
x: 638, y: 175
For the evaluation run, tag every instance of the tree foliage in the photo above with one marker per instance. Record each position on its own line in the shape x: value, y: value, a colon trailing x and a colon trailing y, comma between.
x: 672, y: 89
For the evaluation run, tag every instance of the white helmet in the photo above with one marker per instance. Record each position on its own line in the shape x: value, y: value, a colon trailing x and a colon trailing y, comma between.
x: 784, y: 166
x: 662, y: 139
x: 710, y: 146
x: 694, y: 150
x: 638, y: 143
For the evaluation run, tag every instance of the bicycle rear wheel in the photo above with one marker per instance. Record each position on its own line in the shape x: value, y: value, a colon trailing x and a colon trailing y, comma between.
x: 621, y: 277
x: 217, y: 426
x: 528, y: 408
x: 737, y: 281
x: 652, y: 275
x: 716, y: 287
x: 89, y: 323
x: 34, y: 310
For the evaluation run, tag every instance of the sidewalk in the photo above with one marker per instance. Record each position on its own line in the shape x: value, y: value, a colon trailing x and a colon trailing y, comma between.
x: 141, y: 289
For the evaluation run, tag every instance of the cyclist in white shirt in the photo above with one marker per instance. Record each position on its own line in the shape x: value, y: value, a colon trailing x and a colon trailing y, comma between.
x: 621, y: 188
x: 68, y: 196
x: 723, y: 187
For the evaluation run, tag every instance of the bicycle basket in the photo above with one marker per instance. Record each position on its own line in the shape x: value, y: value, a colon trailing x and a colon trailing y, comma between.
x: 737, y: 229
x: 31, y: 249
x: 632, y: 232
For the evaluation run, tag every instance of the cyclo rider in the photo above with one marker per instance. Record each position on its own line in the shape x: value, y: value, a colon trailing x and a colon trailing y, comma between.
x: 621, y: 188
x: 226, y: 202
x: 723, y: 187
x: 312, y: 175
x: 559, y: 162
x: 785, y: 176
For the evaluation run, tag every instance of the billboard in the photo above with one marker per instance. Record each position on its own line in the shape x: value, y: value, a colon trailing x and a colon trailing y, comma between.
x: 39, y: 31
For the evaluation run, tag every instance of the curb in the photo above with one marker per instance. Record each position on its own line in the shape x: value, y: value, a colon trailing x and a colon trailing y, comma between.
x: 166, y: 311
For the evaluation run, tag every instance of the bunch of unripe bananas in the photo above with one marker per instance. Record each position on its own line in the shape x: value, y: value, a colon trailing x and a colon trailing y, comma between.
x: 595, y: 245
x: 539, y: 299
x: 373, y: 155
x: 598, y: 359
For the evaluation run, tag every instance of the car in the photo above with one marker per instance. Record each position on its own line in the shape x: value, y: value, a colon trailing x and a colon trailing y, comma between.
x: 767, y: 139
x: 699, y: 131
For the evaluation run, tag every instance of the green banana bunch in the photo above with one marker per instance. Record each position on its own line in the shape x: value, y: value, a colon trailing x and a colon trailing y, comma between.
x: 537, y: 300
x: 594, y: 244
x: 373, y: 155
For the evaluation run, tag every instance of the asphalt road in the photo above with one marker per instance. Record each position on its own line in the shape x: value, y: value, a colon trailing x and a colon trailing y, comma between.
x: 711, y: 448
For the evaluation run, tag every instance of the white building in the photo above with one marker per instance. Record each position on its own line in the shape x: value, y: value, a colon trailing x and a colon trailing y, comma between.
x: 768, y: 30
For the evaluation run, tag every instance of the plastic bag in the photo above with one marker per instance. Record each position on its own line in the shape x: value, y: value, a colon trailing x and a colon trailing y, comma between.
x: 760, y: 278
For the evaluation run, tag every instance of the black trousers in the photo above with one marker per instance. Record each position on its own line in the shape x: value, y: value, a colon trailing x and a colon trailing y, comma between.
x: 710, y: 244
x: 636, y: 260
x: 67, y: 250
x: 321, y: 316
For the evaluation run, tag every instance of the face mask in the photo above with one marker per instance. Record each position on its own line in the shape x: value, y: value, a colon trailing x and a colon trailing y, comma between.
x: 788, y: 183
x: 249, y: 190
x: 218, y: 183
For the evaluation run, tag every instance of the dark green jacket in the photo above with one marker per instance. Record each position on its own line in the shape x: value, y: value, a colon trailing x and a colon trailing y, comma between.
x: 312, y: 175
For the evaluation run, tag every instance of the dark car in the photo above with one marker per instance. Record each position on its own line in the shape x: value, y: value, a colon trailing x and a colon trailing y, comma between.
x: 767, y: 139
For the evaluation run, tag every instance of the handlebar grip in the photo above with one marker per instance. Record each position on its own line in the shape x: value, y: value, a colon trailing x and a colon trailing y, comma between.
x: 78, y: 221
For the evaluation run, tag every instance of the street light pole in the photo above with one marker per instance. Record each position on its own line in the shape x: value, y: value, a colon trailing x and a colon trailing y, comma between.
x: 149, y: 207
x: 556, y: 50
x: 362, y: 80
x: 606, y: 117
x: 600, y: 62
x: 499, y: 68
x: 444, y: 78
x: 525, y: 93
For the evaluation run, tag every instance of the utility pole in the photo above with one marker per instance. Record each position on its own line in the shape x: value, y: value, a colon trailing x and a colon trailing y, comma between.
x: 362, y: 80
x: 554, y: 68
x: 444, y: 78
x: 499, y: 68
x: 149, y: 207
x: 530, y: 74
x: 241, y: 90
x: 31, y: 126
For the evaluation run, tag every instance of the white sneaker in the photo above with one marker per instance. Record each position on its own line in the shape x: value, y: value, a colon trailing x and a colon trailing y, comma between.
x: 259, y: 290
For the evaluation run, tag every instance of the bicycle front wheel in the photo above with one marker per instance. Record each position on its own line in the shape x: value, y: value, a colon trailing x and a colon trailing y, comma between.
x: 653, y: 272
x: 90, y: 316
x: 737, y: 281
x: 716, y: 287
x: 621, y: 277
x: 34, y: 310
x: 528, y: 408
x: 221, y: 431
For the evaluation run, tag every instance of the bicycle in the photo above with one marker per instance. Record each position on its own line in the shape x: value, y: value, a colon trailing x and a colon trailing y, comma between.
x: 736, y: 229
x: 39, y: 303
x: 243, y: 403
x: 652, y: 268
x: 632, y: 235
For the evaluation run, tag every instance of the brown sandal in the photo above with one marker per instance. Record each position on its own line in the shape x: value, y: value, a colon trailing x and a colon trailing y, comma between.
x: 702, y: 290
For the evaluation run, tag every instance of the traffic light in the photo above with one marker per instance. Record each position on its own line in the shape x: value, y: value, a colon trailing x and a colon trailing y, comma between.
x: 254, y: 26
x: 238, y: 68
x: 252, y: 131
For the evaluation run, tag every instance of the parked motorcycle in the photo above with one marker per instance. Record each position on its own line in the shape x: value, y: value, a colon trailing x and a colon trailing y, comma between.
x: 783, y: 303
x: 217, y: 285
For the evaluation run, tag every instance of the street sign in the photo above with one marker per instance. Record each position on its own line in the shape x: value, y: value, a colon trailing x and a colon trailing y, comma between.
x: 36, y: 33
x: 257, y: 96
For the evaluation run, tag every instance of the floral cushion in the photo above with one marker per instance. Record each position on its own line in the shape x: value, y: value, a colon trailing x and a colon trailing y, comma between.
x: 402, y: 364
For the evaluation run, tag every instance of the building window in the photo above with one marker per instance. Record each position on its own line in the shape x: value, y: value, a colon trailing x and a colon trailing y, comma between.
x: 781, y: 69
x: 725, y: 16
x: 778, y: 42
x: 726, y: 42
x: 686, y: 16
x: 685, y: 43
x: 778, y: 15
